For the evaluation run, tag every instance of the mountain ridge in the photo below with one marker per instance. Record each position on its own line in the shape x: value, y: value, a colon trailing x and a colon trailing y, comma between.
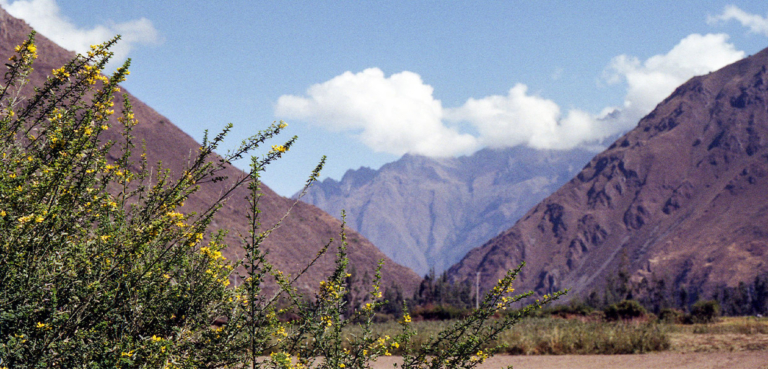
x: 303, y: 233
x: 678, y: 197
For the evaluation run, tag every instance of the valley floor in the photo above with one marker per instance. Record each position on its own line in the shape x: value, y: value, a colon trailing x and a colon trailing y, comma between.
x: 697, y: 360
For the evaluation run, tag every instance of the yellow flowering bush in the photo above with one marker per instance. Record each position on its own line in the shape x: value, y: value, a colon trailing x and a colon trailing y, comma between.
x: 101, y: 268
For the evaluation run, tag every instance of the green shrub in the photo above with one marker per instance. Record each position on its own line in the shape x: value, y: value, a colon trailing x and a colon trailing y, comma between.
x: 439, y: 312
x: 574, y: 308
x: 703, y: 312
x: 671, y: 316
x: 625, y: 310
x: 101, y: 268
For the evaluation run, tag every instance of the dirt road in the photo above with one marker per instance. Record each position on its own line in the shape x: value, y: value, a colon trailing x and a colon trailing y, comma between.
x: 709, y: 360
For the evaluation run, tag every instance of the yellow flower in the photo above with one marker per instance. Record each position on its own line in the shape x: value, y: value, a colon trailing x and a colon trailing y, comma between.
x: 279, y: 148
x: 280, y: 332
x: 25, y: 219
x: 174, y: 215
x: 156, y: 338
x: 61, y: 73
x: 406, y: 318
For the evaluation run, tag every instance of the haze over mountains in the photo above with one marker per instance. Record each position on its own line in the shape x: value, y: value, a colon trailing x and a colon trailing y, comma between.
x: 428, y: 213
x: 682, y: 196
x: 303, y: 233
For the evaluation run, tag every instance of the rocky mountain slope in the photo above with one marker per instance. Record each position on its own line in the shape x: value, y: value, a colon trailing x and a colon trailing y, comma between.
x: 427, y: 213
x: 683, y: 196
x: 304, y: 232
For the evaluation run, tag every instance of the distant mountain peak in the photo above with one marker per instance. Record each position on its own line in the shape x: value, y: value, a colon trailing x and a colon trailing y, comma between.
x: 427, y: 213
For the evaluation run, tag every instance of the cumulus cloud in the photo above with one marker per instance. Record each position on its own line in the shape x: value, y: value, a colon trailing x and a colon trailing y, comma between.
x: 521, y: 118
x: 46, y: 18
x: 755, y: 23
x: 398, y: 114
x: 395, y: 114
x: 649, y: 82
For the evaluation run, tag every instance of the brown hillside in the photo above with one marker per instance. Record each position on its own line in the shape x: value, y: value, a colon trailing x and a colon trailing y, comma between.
x: 304, y: 232
x: 682, y: 196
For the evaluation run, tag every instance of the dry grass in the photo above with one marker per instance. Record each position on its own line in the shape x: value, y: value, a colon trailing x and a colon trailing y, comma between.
x: 729, y: 334
x: 536, y: 336
x: 551, y: 336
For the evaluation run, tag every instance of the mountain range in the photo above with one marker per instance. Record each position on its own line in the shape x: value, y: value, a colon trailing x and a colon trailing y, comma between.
x: 681, y: 197
x: 427, y: 213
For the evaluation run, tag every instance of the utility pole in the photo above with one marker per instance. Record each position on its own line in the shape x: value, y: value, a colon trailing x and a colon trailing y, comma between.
x: 477, y: 291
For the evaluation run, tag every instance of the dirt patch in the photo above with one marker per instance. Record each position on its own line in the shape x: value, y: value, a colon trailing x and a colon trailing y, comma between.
x: 699, y: 360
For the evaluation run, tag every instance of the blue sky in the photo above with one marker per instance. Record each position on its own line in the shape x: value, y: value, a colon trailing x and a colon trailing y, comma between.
x: 365, y: 82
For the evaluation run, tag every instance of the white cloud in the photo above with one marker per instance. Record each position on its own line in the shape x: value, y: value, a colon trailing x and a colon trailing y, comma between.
x: 46, y: 18
x: 395, y: 114
x: 399, y: 114
x: 755, y: 23
x: 649, y: 82
x: 520, y: 118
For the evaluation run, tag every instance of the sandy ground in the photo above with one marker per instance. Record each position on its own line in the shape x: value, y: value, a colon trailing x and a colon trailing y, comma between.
x: 708, y: 360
